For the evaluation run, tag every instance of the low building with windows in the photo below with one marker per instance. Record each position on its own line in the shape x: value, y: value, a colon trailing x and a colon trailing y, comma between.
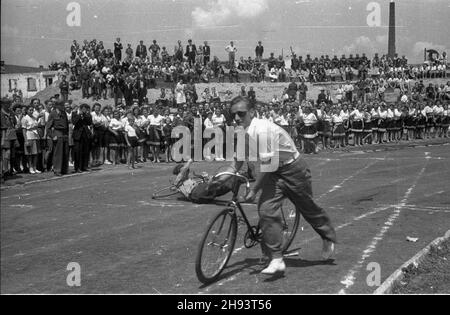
x: 25, y: 81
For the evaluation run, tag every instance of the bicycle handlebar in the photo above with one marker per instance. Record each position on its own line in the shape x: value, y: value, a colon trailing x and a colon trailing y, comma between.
x: 247, y: 185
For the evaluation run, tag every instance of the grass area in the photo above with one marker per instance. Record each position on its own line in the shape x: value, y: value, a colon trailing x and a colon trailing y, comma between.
x: 432, y: 276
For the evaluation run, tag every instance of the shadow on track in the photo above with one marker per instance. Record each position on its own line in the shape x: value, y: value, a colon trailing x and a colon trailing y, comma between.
x: 255, y: 266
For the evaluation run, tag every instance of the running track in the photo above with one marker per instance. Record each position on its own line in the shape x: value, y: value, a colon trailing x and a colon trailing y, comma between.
x: 125, y: 242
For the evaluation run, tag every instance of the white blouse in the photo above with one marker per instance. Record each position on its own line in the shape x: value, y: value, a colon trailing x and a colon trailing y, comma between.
x: 218, y: 120
x: 131, y: 132
x: 115, y: 124
x: 357, y: 115
x: 309, y: 119
x: 337, y: 119
x: 155, y: 121
x: 208, y: 124
x: 30, y: 124
x: 99, y: 119
x: 345, y: 115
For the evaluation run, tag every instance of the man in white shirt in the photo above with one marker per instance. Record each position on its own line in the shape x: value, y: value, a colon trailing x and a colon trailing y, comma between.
x: 290, y: 178
x: 231, y: 50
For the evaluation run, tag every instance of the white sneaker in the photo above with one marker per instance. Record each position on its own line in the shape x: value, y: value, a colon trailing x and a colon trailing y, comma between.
x: 327, y: 249
x: 107, y: 162
x: 70, y: 164
x: 220, y: 159
x: 277, y: 265
x: 32, y: 171
x: 37, y: 172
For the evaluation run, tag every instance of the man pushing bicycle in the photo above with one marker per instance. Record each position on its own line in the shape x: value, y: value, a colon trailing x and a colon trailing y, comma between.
x: 290, y: 178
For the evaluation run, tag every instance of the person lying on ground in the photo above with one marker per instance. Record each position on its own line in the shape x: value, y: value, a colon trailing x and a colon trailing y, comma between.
x: 204, y: 188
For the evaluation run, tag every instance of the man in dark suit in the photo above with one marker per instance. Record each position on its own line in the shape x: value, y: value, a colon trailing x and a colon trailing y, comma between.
x: 141, y: 50
x: 82, y: 121
x: 58, y: 128
x: 206, y: 53
x: 322, y: 97
x: 127, y: 90
x: 118, y: 50
x: 141, y: 88
x: 117, y: 85
x: 191, y: 52
x: 259, y: 51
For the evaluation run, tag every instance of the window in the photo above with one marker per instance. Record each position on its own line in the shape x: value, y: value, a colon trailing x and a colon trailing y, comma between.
x: 12, y: 84
x: 31, y: 85
x: 48, y: 81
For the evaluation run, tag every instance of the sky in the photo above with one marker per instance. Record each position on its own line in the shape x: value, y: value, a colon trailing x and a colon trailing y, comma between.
x: 37, y: 32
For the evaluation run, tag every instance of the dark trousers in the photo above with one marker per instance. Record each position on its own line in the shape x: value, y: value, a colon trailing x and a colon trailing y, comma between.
x: 117, y: 96
x: 206, y: 60
x: 292, y: 181
x: 61, y: 155
x: 85, y: 88
x: 49, y: 152
x: 81, y: 151
x: 191, y: 60
x: 64, y: 96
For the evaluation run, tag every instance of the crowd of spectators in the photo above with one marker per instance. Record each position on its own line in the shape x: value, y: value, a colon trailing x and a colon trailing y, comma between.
x: 59, y: 133
x: 118, y: 73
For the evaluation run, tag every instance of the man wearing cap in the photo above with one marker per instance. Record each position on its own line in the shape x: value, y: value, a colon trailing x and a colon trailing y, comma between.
x: 57, y: 128
x: 289, y: 177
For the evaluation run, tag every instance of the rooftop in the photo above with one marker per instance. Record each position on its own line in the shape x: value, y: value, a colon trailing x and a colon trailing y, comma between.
x: 11, y: 69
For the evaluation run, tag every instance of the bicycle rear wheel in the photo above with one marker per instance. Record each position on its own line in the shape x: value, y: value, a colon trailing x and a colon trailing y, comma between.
x: 166, y: 192
x: 290, y: 219
x: 216, y: 246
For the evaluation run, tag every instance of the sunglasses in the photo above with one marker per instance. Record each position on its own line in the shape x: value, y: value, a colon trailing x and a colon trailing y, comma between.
x: 241, y: 114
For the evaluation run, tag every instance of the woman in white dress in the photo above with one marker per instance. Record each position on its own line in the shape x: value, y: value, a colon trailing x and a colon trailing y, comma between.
x: 31, y: 136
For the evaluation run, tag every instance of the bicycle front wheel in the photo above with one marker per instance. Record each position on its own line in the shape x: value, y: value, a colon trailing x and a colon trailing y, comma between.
x: 290, y: 220
x: 216, y: 246
x: 166, y: 192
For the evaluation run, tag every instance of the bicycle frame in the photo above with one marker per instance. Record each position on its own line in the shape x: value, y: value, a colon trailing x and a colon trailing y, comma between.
x: 237, y: 205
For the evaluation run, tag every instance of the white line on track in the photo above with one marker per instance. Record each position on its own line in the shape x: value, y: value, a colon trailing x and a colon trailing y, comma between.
x: 349, y: 280
x: 354, y: 219
x: 340, y: 185
x: 435, y: 193
x: 445, y: 210
x: 427, y: 207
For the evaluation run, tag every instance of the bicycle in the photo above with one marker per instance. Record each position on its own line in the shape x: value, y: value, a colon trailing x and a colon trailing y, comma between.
x: 220, y: 236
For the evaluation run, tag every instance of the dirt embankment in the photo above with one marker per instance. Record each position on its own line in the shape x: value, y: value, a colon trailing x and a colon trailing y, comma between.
x: 432, y: 276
